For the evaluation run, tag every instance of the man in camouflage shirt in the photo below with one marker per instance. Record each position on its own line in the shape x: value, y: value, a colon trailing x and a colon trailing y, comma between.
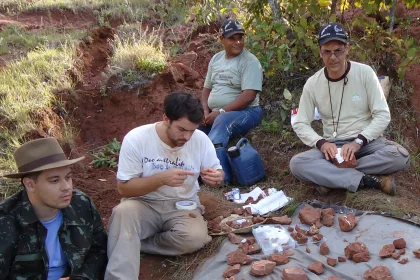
x: 48, y: 230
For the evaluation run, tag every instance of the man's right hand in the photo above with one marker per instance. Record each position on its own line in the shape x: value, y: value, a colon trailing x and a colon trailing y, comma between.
x: 329, y: 150
x: 174, y: 177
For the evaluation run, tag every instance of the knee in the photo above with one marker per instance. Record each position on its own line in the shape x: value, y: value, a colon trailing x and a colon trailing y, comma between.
x: 295, y: 165
x: 399, y: 156
x: 192, y: 241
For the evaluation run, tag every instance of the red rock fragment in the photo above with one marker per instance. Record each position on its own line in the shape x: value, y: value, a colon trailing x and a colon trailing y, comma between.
x: 316, y: 267
x: 361, y: 257
x: 378, y: 273
x: 347, y: 223
x: 357, y: 251
x: 402, y: 252
x: 217, y: 220
x: 294, y: 273
x: 301, y: 238
x: 309, y: 216
x: 238, y: 211
x: 235, y: 239
x: 251, y: 240
x: 254, y: 249
x: 313, y: 230
x: 247, y: 211
x: 236, y: 257
x: 341, y: 259
x: 328, y: 211
x: 331, y: 262
x: 300, y: 230
x: 226, y: 228
x: 245, y: 224
x: 232, y: 270
x: 327, y: 220
x: 323, y: 249
x: 417, y: 253
x: 399, y: 243
x: 403, y: 261
x: 290, y: 229
x: 216, y: 228
x: 249, y: 200
x: 283, y: 220
x: 317, y: 237
x: 387, y: 251
x: 289, y: 252
x: 248, y: 260
x: 244, y: 247
x: 259, y: 198
x: 294, y: 235
x: 308, y: 250
x: 262, y: 268
x: 258, y: 220
x: 231, y: 278
x: 279, y: 259
x: 333, y: 278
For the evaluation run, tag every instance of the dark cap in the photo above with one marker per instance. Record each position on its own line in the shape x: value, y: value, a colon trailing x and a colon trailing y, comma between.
x: 231, y: 27
x: 332, y: 32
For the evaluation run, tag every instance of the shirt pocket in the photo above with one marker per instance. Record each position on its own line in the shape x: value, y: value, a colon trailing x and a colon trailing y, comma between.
x: 27, y: 266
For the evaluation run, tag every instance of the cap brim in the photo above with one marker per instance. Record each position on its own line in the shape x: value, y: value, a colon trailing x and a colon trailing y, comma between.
x: 326, y: 40
x: 45, y: 167
x: 227, y: 35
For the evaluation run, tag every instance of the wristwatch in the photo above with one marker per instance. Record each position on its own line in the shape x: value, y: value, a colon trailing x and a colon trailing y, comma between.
x: 221, y: 111
x: 359, y: 141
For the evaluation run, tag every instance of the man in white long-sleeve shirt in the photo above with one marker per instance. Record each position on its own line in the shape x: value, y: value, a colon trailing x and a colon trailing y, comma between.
x: 354, y: 115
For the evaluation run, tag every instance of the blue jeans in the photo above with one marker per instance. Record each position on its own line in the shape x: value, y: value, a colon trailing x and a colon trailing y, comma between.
x: 231, y: 125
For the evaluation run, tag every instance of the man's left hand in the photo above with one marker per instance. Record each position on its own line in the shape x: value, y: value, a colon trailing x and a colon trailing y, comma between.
x: 348, y: 150
x: 211, y: 117
x: 212, y: 177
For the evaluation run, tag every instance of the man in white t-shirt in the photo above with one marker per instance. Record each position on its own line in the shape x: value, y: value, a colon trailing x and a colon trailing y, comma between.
x: 158, y: 167
x: 230, y: 96
x: 354, y: 113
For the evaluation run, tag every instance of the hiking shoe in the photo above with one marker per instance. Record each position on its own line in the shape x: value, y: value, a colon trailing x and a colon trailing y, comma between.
x: 322, y: 190
x: 383, y: 183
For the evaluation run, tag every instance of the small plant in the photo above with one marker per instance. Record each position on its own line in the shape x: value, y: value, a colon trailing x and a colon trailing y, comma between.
x: 107, y: 155
x: 272, y: 126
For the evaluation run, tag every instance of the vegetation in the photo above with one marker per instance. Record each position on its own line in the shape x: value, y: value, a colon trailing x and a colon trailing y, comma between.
x: 27, y: 96
x: 107, y: 155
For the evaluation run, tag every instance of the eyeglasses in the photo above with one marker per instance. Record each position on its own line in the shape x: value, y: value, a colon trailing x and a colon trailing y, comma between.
x: 337, y: 53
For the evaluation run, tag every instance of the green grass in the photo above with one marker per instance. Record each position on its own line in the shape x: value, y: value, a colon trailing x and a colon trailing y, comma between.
x: 135, y: 49
x: 14, y: 37
x: 127, y: 9
x: 27, y: 94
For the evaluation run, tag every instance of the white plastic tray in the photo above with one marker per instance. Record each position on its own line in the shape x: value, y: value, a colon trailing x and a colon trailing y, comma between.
x: 269, y: 245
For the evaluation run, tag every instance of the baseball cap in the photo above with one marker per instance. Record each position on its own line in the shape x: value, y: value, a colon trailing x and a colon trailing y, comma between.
x: 332, y: 32
x: 231, y: 27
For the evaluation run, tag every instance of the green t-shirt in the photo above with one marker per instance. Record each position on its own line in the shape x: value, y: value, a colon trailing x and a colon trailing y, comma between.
x: 227, y: 78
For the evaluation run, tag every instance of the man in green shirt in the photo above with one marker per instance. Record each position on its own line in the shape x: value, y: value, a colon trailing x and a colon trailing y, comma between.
x: 230, y: 96
x: 354, y: 115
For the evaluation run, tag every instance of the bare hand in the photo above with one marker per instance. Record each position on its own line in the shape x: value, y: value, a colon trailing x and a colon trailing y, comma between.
x: 65, y: 278
x: 329, y: 150
x: 212, y: 177
x: 211, y: 117
x: 174, y: 177
x: 348, y: 150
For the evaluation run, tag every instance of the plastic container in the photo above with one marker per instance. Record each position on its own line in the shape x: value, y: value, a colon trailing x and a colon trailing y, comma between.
x: 271, y: 244
x: 246, y: 163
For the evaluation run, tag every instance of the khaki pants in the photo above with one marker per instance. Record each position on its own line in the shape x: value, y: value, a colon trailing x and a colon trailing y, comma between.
x: 154, y: 227
x: 379, y: 157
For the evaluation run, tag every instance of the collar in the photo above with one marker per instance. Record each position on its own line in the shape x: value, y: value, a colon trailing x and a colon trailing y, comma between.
x: 342, y: 76
x: 27, y: 214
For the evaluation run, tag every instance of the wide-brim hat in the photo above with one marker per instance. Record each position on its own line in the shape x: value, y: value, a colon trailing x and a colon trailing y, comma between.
x: 38, y: 155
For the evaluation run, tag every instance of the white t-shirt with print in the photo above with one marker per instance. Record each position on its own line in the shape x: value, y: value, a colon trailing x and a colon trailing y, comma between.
x: 144, y: 154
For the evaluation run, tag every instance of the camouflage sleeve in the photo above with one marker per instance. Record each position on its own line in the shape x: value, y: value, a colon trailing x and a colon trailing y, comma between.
x: 8, y: 235
x: 94, y: 265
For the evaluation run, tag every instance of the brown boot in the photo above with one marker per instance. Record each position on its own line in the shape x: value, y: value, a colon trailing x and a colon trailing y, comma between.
x: 383, y: 183
x: 322, y: 190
